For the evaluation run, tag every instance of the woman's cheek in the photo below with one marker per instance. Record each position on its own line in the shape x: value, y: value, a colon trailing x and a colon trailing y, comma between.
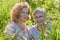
x: 27, y: 18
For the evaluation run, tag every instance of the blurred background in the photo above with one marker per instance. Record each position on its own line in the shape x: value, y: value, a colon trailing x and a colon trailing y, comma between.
x: 52, y: 8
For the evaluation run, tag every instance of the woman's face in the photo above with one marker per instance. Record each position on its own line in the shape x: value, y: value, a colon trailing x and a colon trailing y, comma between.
x: 24, y: 14
x: 39, y: 18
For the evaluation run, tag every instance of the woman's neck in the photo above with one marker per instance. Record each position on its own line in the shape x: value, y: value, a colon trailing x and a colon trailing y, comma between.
x: 21, y: 25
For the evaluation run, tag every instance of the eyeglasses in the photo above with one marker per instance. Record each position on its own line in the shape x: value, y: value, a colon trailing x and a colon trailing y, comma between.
x: 40, y: 16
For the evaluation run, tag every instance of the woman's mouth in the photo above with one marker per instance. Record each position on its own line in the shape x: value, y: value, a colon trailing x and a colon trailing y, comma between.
x: 39, y: 21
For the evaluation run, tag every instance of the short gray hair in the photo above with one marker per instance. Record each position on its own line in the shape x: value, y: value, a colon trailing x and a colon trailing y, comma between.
x: 39, y: 9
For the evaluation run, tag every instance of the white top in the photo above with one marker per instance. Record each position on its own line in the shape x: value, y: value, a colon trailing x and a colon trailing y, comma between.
x: 13, y: 30
x: 34, y: 33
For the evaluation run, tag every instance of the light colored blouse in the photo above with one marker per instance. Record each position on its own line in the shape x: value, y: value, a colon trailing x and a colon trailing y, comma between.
x: 34, y: 33
x: 13, y: 30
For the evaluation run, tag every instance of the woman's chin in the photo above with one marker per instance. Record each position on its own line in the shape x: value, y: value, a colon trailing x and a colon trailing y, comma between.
x: 24, y: 20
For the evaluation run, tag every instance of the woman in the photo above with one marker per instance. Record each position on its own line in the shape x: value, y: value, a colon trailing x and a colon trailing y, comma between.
x: 39, y: 16
x: 19, y: 15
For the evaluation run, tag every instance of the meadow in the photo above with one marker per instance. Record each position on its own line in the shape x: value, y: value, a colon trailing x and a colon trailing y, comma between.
x: 53, y: 15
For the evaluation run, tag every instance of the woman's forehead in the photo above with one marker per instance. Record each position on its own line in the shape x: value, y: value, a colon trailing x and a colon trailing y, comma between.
x: 38, y: 14
x: 25, y: 9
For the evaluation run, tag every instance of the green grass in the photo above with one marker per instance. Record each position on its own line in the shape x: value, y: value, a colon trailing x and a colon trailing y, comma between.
x: 51, y: 6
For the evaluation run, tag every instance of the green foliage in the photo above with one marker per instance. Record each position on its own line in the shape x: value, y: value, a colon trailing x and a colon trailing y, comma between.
x: 53, y: 14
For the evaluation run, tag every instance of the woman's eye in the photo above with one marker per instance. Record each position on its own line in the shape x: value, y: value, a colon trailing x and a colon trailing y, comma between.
x: 40, y: 16
x: 25, y: 12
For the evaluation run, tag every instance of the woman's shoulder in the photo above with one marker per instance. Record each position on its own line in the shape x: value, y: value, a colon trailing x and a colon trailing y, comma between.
x: 11, y: 25
x: 9, y: 30
x: 33, y: 28
x: 50, y: 26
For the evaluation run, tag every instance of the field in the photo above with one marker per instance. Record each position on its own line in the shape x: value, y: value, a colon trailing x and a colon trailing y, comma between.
x: 53, y: 15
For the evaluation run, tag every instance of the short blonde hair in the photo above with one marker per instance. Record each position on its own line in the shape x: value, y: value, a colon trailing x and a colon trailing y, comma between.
x: 15, y: 12
x: 40, y: 10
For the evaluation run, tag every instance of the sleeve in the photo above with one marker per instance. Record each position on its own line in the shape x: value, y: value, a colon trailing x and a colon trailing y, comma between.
x: 9, y: 30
